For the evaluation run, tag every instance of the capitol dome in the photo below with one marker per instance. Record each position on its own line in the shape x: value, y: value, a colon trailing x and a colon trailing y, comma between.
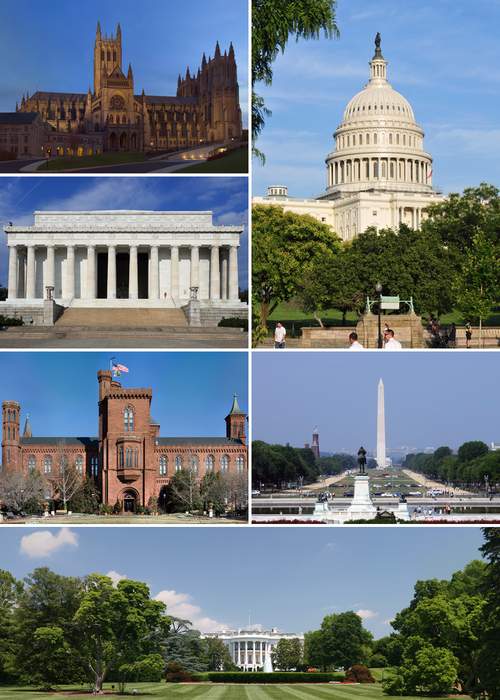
x: 378, y: 145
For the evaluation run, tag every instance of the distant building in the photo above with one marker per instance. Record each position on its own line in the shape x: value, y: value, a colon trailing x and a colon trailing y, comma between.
x: 22, y: 134
x: 249, y: 648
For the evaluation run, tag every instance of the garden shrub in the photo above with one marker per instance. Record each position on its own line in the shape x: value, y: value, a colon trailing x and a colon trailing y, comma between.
x: 359, y: 674
x: 261, y: 677
x: 176, y: 673
x: 7, y: 321
x: 234, y: 323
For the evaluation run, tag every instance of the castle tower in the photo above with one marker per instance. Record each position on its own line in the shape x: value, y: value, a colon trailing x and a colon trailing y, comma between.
x: 10, y: 434
x: 315, y: 443
x: 381, y: 455
x: 107, y: 56
x: 235, y: 422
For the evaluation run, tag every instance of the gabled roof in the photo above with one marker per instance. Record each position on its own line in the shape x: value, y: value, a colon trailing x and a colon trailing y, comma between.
x: 72, y: 96
x: 63, y: 441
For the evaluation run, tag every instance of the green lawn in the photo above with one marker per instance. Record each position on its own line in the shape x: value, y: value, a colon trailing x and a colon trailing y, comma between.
x: 72, y: 163
x: 235, y: 162
x: 219, y: 692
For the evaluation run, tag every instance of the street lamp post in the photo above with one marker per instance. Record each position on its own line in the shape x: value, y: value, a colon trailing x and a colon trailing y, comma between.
x: 378, y: 289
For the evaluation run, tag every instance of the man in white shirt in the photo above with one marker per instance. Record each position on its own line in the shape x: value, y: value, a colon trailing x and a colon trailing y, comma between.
x: 279, y: 336
x: 390, y: 342
x: 354, y: 343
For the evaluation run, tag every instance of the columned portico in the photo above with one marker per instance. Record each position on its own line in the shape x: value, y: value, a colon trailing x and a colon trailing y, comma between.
x: 111, y: 291
x: 133, y: 282
x: 13, y: 268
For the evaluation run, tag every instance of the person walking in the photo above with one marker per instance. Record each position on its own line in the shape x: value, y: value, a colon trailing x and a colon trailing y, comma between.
x: 390, y: 342
x: 468, y: 335
x: 354, y: 343
x: 279, y: 336
x: 452, y: 336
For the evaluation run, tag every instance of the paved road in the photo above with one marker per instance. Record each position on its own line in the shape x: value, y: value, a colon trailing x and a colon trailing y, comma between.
x: 15, y: 166
x: 146, y: 342
x: 149, y: 166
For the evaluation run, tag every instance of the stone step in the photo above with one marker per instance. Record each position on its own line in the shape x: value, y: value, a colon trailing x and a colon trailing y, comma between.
x: 122, y: 318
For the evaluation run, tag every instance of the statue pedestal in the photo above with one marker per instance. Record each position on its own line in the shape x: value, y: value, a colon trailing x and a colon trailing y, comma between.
x: 321, y: 509
x: 361, y: 507
x: 402, y: 512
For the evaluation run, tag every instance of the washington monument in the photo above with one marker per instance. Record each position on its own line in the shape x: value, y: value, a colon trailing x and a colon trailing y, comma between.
x: 381, y: 458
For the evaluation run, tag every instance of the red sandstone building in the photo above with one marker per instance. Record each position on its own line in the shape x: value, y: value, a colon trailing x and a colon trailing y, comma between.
x: 129, y: 460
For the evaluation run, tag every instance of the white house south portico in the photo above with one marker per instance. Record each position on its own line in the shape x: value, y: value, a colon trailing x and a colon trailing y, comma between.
x: 127, y: 259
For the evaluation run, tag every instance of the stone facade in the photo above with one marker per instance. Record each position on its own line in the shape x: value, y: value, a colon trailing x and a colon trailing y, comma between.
x: 112, y: 117
x: 379, y: 174
x: 127, y: 259
x: 22, y: 134
x: 128, y: 459
x: 249, y: 649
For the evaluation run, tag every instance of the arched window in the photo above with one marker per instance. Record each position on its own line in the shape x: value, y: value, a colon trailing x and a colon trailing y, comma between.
x: 47, y: 464
x: 121, y: 460
x: 31, y: 462
x: 94, y: 466
x: 224, y: 463
x: 374, y: 138
x: 390, y: 138
x: 163, y: 465
x: 240, y: 463
x: 209, y: 463
x: 178, y: 463
x: 128, y: 420
x: 194, y: 463
x: 79, y: 464
x: 367, y: 139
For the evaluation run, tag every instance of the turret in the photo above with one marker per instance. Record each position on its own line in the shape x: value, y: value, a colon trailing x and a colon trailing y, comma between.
x: 104, y: 379
x: 11, y: 411
x: 235, y: 422
x: 217, y: 50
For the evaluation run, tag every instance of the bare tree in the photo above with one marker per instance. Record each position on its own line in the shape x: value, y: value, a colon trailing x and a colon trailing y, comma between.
x: 236, y: 485
x: 185, y: 487
x: 18, y: 489
x: 67, y: 480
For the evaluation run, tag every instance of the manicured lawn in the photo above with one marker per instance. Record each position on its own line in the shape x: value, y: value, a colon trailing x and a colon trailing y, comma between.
x: 220, y: 692
x: 73, y: 163
x: 83, y: 519
x: 235, y: 162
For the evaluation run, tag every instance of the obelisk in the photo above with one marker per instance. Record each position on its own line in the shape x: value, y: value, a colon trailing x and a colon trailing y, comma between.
x: 381, y: 457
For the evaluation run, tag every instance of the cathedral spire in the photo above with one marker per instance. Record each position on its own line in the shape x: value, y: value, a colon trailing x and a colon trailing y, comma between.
x: 27, y: 427
x: 217, y: 50
x: 98, y: 31
x: 130, y: 74
x: 118, y: 32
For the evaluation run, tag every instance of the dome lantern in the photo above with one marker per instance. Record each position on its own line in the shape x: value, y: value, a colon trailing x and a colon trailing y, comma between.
x: 378, y: 64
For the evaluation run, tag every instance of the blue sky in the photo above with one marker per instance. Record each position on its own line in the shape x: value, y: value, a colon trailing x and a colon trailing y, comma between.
x: 227, y: 197
x: 431, y: 398
x: 220, y: 577
x: 444, y: 57
x: 192, y: 391
x: 50, y: 46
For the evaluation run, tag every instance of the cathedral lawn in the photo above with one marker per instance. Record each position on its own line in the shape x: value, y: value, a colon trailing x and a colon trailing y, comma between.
x: 234, y: 162
x: 104, y: 159
x: 218, y: 691
x: 84, y: 519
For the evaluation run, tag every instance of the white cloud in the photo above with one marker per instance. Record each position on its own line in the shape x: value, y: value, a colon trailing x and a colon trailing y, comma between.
x: 366, y: 614
x: 116, y: 577
x: 181, y: 605
x: 40, y: 545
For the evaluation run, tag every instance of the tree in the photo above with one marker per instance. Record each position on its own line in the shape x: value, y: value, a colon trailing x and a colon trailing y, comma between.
x: 235, y: 486
x: 217, y: 655
x: 489, y: 651
x: 425, y: 669
x: 10, y: 593
x: 22, y: 491
x: 185, y: 647
x: 288, y: 654
x: 87, y: 498
x: 49, y: 657
x: 67, y: 481
x: 314, y: 654
x: 477, y: 287
x: 183, y: 492
x: 273, y: 23
x: 344, y: 639
x: 472, y: 450
x: 286, y: 246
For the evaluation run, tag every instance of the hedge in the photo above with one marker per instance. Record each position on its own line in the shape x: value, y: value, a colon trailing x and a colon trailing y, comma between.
x: 260, y: 677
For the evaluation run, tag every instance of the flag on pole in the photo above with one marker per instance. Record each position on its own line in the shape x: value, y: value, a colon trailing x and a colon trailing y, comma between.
x: 118, y: 368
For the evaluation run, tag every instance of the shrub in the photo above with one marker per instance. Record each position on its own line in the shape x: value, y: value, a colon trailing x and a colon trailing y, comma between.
x: 260, y: 677
x: 234, y: 323
x: 359, y: 674
x: 176, y: 673
x: 6, y: 321
x: 378, y: 661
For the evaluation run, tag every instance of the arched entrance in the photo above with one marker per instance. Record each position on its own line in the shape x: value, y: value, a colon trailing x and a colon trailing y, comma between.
x: 113, y: 142
x: 130, y: 501
x: 123, y: 142
x: 133, y: 142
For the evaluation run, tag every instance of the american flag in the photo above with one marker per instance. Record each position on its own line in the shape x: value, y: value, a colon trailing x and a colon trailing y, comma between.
x: 119, y: 369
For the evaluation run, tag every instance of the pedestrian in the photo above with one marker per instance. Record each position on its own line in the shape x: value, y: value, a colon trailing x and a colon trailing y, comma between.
x: 452, y: 336
x: 279, y: 336
x: 354, y: 343
x: 468, y: 335
x: 390, y: 342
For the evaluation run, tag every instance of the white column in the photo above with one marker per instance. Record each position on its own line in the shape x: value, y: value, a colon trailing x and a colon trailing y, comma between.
x: 30, y: 273
x: 133, y: 288
x: 233, y: 273
x: 111, y: 290
x: 154, y: 271
x: 195, y: 266
x: 174, y: 272
x: 12, y: 289
x: 51, y: 270
x: 224, y: 274
x: 69, y: 292
x: 91, y: 282
x: 214, y: 273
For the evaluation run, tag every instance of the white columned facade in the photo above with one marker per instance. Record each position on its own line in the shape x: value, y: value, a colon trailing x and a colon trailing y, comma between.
x: 111, y: 288
x: 91, y: 277
x: 233, y: 273
x: 133, y: 288
x: 50, y: 278
x: 174, y: 273
x: 195, y: 266
x: 12, y: 287
x: 154, y: 272
x: 224, y: 264
x: 214, y: 273
x: 30, y: 273
x: 69, y: 288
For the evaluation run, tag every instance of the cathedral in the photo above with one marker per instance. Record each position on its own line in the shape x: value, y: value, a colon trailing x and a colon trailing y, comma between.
x: 379, y: 174
x: 113, y: 117
x: 129, y: 461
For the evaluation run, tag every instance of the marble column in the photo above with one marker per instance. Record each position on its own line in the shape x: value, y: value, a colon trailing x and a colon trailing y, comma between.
x: 224, y: 274
x: 50, y: 278
x: 154, y: 272
x: 233, y: 273
x: 30, y: 273
x: 111, y: 290
x: 91, y: 281
x: 214, y: 273
x: 174, y: 272
x: 195, y: 266
x: 12, y: 289
x: 133, y: 287
x: 69, y: 292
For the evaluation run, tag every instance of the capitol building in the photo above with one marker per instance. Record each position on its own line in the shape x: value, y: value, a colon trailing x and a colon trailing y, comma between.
x: 379, y: 173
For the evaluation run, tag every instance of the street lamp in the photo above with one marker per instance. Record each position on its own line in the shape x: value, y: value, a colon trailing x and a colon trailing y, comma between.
x: 378, y: 289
